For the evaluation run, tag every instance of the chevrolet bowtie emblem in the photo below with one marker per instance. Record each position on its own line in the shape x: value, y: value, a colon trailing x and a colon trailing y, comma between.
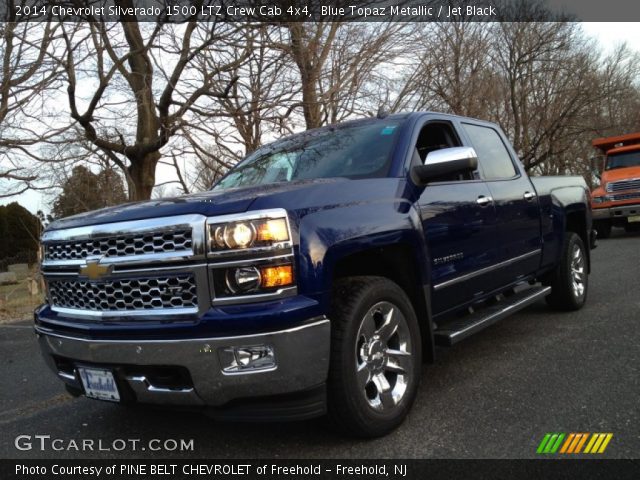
x: 94, y: 271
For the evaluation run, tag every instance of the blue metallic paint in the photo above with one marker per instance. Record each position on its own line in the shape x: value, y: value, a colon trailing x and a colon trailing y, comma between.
x: 334, y: 218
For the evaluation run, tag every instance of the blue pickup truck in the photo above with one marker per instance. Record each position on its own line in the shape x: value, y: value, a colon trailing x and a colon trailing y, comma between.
x: 316, y: 276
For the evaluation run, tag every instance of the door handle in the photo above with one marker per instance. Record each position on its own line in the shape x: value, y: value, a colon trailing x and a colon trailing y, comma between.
x: 484, y: 201
x: 528, y: 196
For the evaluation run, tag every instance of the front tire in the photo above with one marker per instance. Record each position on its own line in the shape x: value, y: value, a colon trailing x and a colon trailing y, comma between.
x: 375, y: 356
x: 570, y: 281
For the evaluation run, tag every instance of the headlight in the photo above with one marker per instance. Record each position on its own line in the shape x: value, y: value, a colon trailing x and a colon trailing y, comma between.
x: 597, y: 199
x: 236, y: 235
x: 258, y: 230
x: 250, y: 257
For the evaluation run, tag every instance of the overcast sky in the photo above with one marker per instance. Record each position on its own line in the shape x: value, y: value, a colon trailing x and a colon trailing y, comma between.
x: 608, y: 34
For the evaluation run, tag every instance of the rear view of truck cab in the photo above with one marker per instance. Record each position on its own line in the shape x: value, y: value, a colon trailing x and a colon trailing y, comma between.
x: 616, y: 201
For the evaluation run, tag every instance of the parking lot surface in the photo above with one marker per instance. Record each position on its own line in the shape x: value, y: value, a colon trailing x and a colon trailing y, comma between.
x: 494, y: 395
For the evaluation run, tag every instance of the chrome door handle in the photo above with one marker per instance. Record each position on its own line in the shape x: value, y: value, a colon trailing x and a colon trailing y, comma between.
x: 484, y: 201
x: 528, y: 196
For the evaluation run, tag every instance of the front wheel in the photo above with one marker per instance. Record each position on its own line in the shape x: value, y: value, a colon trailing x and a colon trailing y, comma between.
x: 375, y: 356
x: 570, y: 281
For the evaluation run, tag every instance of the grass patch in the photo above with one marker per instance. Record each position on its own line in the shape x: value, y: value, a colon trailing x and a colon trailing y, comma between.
x: 16, y: 302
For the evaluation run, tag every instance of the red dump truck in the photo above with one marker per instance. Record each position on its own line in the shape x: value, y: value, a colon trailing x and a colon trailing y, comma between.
x: 616, y: 201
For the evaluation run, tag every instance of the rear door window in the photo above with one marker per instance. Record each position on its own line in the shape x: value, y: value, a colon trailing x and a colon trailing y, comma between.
x: 493, y: 156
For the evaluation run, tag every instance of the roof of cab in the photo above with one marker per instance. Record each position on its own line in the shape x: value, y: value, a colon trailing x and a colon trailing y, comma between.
x: 619, y: 143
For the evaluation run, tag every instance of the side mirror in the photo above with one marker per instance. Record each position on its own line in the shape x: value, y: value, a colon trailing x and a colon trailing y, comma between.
x: 443, y: 162
x: 596, y: 165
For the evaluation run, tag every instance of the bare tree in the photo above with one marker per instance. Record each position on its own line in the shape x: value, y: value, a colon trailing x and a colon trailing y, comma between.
x: 28, y: 81
x: 339, y: 63
x: 545, y: 83
x: 309, y: 45
x: 618, y: 110
x: 194, y: 98
x: 451, y: 71
x: 318, y: 73
x: 142, y: 86
x: 265, y: 87
x: 554, y: 79
x: 255, y: 110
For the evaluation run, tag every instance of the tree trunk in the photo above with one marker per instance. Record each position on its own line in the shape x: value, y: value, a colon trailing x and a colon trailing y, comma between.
x: 143, y: 176
x: 143, y: 166
x: 310, y: 104
x: 303, y: 52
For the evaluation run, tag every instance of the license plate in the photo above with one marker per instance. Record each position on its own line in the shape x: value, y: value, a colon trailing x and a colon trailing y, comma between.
x: 633, y: 218
x: 99, y: 383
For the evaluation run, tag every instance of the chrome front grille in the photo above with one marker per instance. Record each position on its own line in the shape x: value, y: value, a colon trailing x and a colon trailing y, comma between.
x: 625, y: 196
x: 132, y: 269
x: 623, y: 185
x: 135, y: 294
x: 121, y: 245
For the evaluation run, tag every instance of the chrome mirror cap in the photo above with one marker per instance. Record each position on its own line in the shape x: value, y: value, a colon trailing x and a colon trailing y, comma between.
x: 445, y: 155
x: 445, y: 162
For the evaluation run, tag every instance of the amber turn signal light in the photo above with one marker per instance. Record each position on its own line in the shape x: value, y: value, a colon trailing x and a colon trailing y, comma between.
x: 279, y: 276
x: 273, y: 230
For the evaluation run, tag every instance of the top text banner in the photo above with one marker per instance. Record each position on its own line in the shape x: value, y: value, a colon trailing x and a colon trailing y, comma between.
x: 277, y: 11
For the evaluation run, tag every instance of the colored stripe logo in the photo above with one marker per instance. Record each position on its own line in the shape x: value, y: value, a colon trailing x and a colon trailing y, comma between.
x: 574, y: 443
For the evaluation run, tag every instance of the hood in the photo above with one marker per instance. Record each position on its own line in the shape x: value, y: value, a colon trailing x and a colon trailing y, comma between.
x: 627, y: 173
x: 209, y: 203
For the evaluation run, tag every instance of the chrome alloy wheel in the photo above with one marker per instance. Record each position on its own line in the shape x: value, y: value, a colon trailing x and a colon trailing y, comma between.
x: 383, y: 356
x: 577, y: 271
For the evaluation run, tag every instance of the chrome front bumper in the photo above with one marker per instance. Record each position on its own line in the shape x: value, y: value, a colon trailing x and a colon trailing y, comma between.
x: 301, y: 362
x: 615, y: 212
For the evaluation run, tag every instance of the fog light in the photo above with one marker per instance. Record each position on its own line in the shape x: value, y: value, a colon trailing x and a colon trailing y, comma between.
x: 243, y: 279
x: 247, y: 359
x: 276, y: 276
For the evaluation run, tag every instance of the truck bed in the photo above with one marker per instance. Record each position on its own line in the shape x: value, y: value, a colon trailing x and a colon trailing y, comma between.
x: 547, y: 184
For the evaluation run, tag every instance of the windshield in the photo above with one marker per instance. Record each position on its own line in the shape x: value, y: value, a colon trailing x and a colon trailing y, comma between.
x: 350, y: 151
x: 623, y: 160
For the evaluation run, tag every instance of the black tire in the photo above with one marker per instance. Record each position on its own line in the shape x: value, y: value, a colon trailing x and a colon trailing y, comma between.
x: 570, y: 281
x: 603, y: 227
x: 370, y: 389
x: 632, y: 227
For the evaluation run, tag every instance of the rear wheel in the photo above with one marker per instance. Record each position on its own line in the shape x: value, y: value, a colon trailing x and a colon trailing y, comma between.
x: 375, y: 356
x: 570, y: 281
